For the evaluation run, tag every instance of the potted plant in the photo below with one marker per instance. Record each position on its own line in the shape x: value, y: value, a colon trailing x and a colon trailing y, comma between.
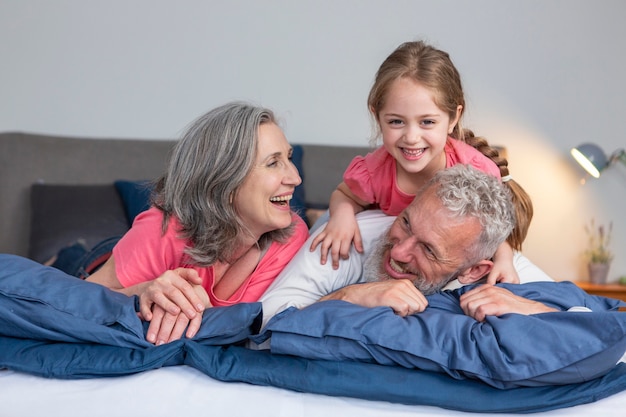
x: 598, y: 253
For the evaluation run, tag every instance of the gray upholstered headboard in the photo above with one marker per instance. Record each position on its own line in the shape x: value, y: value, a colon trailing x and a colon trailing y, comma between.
x: 26, y: 159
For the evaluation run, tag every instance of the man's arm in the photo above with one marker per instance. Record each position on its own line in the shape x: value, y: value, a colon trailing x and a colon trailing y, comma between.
x: 401, y: 295
x: 305, y: 280
x: 489, y: 300
x: 495, y: 301
x: 405, y: 299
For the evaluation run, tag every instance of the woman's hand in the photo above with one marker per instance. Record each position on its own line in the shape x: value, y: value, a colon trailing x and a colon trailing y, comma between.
x: 176, y: 292
x: 166, y: 327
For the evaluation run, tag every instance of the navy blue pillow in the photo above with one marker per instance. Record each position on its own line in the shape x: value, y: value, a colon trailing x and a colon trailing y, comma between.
x: 135, y: 196
x: 298, y: 202
x: 508, y: 351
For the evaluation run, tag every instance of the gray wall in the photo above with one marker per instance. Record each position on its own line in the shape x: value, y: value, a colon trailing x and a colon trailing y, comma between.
x: 541, y: 76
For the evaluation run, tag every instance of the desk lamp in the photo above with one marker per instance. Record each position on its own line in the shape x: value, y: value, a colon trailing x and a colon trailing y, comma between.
x: 593, y: 159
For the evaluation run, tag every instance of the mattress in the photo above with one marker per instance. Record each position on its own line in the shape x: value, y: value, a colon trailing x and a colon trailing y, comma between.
x: 183, y: 390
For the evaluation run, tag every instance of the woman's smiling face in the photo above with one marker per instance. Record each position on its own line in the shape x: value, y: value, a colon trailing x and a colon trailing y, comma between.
x: 262, y: 201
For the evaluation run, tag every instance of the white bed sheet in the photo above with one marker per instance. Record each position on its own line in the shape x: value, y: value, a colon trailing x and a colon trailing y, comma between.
x: 185, y: 391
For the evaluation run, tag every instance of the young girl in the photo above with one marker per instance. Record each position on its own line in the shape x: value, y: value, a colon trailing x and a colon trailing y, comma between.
x: 417, y: 102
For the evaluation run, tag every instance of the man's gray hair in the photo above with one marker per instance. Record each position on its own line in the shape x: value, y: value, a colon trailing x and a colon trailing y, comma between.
x: 468, y: 192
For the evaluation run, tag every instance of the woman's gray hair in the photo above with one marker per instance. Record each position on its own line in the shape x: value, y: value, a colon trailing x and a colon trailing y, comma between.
x: 468, y: 192
x: 206, y: 168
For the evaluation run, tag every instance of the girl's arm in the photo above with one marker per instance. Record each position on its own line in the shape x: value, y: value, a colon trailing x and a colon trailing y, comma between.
x: 342, y: 228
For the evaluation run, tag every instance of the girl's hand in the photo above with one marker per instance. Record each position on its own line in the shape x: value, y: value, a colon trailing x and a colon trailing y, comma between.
x: 503, y: 269
x: 337, y: 237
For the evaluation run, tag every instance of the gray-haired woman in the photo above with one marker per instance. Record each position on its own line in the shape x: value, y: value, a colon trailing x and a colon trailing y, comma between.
x: 220, y: 228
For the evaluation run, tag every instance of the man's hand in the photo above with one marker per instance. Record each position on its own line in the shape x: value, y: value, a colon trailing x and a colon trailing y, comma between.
x: 488, y: 300
x: 401, y: 295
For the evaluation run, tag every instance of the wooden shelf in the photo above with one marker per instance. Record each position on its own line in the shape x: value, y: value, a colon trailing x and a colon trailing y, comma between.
x: 606, y: 290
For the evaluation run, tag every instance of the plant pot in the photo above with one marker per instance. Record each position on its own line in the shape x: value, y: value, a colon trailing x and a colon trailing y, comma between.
x: 598, y: 272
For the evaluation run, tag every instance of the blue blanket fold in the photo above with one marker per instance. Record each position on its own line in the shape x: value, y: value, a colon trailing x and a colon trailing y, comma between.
x: 43, y: 303
x: 84, y: 360
x: 393, y: 383
x: 40, y: 302
x: 507, y: 351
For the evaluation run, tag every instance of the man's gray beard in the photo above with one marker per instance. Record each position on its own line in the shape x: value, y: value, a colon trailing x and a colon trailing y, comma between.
x: 374, y: 271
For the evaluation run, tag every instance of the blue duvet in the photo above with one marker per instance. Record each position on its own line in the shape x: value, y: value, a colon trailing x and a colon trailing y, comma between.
x: 54, y: 325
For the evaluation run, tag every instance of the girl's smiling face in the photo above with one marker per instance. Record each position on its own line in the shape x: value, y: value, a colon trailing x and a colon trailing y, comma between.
x: 262, y: 200
x: 414, y: 129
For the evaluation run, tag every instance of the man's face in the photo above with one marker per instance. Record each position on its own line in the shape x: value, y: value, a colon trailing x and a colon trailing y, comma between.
x: 424, y: 245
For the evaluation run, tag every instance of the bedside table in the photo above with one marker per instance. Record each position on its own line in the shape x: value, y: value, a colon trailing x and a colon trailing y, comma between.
x: 606, y: 290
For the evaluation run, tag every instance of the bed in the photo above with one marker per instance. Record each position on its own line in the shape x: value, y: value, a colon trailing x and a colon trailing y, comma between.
x: 109, y: 370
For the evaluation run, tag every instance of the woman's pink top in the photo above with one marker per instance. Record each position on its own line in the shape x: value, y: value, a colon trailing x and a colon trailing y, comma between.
x: 144, y: 254
x: 372, y: 177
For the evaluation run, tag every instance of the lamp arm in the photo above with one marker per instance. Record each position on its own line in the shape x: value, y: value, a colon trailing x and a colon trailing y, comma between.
x: 618, y: 155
